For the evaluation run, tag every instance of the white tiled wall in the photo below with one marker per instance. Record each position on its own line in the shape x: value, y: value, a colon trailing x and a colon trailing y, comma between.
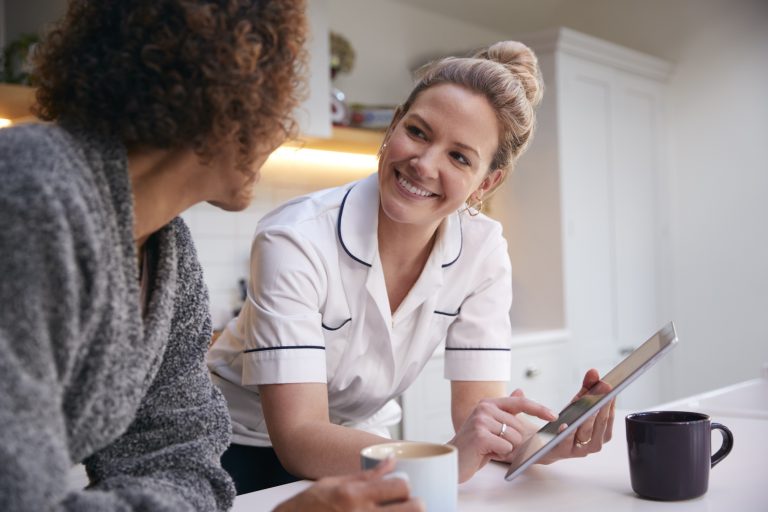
x: 223, y: 242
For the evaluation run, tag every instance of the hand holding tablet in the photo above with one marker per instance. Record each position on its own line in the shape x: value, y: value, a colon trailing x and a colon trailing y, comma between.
x: 554, y: 434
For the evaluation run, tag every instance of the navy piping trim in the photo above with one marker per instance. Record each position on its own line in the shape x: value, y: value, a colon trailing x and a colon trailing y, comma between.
x: 338, y: 230
x: 318, y: 347
x: 448, y: 314
x: 345, y: 322
x: 494, y: 349
x: 461, y: 247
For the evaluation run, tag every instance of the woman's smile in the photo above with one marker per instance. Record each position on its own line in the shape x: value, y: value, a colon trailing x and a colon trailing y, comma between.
x: 411, y: 189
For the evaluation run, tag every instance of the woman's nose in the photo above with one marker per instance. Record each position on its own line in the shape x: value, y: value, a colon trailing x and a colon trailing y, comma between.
x: 425, y: 164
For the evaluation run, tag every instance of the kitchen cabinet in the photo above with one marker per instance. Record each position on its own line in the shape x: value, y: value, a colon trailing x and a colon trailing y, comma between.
x: 584, y: 212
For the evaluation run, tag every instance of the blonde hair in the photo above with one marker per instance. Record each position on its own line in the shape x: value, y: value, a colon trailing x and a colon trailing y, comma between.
x: 507, y: 74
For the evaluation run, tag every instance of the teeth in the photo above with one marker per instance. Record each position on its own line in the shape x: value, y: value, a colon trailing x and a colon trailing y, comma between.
x: 410, y: 187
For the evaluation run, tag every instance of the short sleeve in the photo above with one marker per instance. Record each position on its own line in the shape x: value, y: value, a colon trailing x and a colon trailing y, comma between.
x: 477, y: 347
x: 280, y: 323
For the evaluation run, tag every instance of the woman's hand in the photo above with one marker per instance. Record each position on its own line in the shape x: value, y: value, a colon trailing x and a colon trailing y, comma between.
x: 593, y: 433
x: 364, y: 491
x: 492, y: 431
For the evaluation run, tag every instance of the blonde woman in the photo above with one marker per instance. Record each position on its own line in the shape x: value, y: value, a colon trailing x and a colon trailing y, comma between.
x: 353, y: 289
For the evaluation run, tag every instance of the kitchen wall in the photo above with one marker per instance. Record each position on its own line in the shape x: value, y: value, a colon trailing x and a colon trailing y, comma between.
x: 28, y: 16
x: 718, y: 111
x: 391, y: 40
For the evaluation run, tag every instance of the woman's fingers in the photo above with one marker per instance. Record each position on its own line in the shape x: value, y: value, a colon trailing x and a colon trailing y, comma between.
x: 584, y: 433
x: 488, y: 421
x: 414, y: 505
x: 515, y: 432
x: 602, y: 426
x: 517, y: 403
x: 386, y: 490
x: 382, y: 468
x: 591, y: 378
x: 609, y: 428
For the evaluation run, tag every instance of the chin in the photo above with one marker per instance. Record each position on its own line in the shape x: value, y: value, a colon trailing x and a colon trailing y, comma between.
x: 234, y: 205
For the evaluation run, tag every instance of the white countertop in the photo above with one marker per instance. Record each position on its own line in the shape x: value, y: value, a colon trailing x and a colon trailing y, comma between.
x: 748, y: 399
x: 600, y: 482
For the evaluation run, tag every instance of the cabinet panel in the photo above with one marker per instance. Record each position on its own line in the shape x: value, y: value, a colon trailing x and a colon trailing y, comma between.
x: 636, y: 205
x: 427, y: 406
x: 587, y: 191
x: 539, y: 371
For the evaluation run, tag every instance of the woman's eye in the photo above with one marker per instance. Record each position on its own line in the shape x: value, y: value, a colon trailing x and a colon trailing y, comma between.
x: 416, y: 131
x: 460, y: 158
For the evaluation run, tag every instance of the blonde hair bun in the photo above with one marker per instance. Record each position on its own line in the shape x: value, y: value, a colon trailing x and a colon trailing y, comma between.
x: 520, y: 61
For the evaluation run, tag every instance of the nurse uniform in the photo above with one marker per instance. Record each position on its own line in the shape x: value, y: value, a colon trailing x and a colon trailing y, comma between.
x: 317, y: 311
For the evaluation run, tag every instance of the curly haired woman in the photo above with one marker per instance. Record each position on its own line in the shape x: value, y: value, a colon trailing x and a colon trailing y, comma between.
x: 155, y: 105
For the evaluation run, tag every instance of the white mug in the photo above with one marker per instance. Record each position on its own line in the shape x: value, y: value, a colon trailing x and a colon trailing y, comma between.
x: 432, y: 470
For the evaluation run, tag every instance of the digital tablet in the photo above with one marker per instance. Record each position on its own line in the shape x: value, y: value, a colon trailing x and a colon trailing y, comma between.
x: 576, y: 413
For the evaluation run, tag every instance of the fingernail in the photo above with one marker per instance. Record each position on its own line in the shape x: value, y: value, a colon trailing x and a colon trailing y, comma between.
x: 552, y: 414
x: 402, y: 475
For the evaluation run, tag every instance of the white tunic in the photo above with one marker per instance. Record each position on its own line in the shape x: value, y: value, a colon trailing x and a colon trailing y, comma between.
x: 318, y: 311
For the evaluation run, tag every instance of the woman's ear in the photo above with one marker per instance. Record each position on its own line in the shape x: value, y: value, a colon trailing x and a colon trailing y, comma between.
x: 490, y: 182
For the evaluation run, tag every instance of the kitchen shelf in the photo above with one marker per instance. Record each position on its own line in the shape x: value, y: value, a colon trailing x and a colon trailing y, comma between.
x: 344, y: 139
x: 16, y: 102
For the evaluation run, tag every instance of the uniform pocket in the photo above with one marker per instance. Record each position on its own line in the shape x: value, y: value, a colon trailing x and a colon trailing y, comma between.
x: 441, y: 322
x: 336, y: 336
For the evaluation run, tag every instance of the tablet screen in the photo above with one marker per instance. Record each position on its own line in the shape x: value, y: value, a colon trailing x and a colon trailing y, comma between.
x: 601, y: 393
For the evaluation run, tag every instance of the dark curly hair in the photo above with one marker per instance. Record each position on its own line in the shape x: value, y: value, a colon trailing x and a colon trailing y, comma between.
x: 208, y: 74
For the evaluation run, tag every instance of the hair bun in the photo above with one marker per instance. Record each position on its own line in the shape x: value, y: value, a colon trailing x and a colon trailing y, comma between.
x: 522, y: 62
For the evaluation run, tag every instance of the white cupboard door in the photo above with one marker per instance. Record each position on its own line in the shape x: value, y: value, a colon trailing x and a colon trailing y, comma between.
x: 636, y: 192
x: 427, y: 406
x: 538, y: 371
x: 586, y: 130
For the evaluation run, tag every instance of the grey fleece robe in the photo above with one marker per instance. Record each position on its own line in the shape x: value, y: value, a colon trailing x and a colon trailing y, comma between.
x: 82, y: 377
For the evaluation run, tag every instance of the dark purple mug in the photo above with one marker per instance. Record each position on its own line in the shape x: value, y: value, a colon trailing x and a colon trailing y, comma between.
x: 670, y: 453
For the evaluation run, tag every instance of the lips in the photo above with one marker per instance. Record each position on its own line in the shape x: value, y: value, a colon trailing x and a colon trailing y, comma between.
x: 411, y: 188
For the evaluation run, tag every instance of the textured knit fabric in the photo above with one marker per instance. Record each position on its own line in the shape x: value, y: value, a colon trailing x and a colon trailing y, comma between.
x: 82, y: 377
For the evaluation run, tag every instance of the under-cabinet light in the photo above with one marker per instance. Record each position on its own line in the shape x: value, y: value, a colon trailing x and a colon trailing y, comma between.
x: 293, y: 158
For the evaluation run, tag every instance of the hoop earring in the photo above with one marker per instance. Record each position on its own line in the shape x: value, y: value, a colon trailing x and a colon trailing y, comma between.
x: 475, y: 209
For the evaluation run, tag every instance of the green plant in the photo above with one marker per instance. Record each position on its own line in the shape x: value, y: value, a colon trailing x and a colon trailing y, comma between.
x: 342, y: 55
x: 15, y: 64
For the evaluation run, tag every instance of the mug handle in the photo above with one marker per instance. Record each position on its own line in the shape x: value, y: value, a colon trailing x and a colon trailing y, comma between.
x: 727, y: 445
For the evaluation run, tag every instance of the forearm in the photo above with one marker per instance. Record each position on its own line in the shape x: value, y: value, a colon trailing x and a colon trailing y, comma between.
x: 316, y: 449
x: 465, y: 396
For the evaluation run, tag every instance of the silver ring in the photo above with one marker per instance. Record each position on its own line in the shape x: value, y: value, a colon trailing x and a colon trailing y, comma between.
x: 503, y: 429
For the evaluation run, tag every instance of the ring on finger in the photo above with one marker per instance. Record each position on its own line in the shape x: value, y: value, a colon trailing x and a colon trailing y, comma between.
x: 582, y: 444
x: 503, y: 429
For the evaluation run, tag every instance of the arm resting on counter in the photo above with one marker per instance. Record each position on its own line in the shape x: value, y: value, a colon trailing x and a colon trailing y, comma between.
x: 306, y: 442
